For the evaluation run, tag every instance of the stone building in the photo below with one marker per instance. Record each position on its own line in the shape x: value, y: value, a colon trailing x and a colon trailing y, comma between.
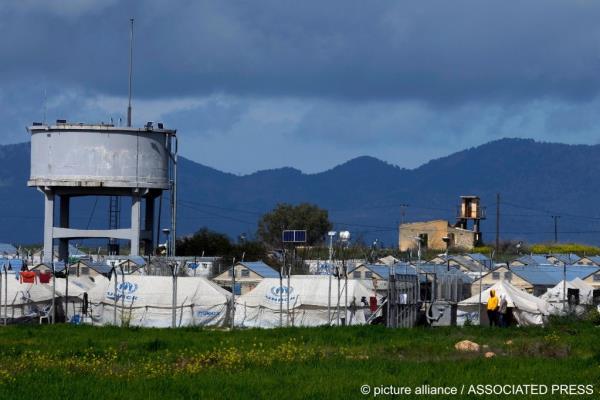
x: 432, y: 234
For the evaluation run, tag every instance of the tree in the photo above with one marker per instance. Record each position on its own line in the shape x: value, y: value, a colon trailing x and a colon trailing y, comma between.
x: 204, y: 241
x: 216, y: 244
x: 286, y: 216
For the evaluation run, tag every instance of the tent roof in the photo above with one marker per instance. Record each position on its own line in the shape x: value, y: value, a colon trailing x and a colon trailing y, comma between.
x: 24, y: 293
x: 156, y: 291
x: 307, y: 290
x: 556, y: 293
x: 515, y: 298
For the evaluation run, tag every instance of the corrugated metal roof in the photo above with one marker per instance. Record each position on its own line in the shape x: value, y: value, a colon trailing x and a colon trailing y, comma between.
x: 548, y: 275
x: 442, y: 270
x: 533, y: 259
x: 100, y: 267
x: 135, y: 259
x: 383, y: 270
x: 13, y: 263
x: 73, y: 251
x: 7, y: 249
x: 139, y: 260
x: 479, y: 257
x: 59, y: 266
x: 594, y: 259
x: 260, y: 268
x: 566, y: 258
x: 468, y: 263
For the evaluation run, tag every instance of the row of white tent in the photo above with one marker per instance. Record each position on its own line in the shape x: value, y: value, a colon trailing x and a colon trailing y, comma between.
x: 527, y: 309
x: 136, y: 300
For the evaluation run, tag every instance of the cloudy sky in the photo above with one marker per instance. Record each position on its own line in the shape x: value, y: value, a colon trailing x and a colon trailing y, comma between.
x: 262, y: 84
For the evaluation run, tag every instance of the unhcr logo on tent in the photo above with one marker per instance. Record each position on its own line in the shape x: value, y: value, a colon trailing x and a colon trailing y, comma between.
x: 125, y: 291
x: 127, y: 287
x: 207, y: 314
x: 279, y: 294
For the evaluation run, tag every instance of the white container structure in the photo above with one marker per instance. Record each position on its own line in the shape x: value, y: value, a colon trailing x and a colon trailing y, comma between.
x: 75, y: 159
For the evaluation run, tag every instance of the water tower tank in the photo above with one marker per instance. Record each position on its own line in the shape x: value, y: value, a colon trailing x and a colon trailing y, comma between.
x: 76, y: 159
x: 100, y: 155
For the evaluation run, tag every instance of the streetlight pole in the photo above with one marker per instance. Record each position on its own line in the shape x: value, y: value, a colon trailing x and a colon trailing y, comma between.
x: 233, y: 293
x: 418, y: 269
x: 66, y: 291
x: 289, y: 272
x: 6, y: 296
x: 281, y: 271
x: 123, y: 295
x: 555, y: 218
x: 345, y: 238
x: 565, y: 303
x: 167, y: 233
x: 0, y: 292
x: 331, y: 234
x: 114, y: 271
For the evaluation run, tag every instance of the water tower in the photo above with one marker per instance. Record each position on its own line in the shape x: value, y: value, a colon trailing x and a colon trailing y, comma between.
x: 75, y: 159
x: 470, y: 209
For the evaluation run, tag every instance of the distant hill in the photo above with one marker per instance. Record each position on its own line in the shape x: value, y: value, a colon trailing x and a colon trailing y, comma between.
x: 536, y: 180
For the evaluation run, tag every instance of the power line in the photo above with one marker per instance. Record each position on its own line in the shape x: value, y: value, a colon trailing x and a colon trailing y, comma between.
x: 221, y: 207
x: 217, y: 215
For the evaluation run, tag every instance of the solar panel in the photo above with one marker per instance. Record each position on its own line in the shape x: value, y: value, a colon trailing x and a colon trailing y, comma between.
x: 300, y: 236
x: 294, y: 236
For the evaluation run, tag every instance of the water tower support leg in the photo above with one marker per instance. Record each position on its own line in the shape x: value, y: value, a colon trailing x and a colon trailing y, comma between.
x: 63, y: 244
x: 135, y: 224
x: 48, y: 224
x: 149, y: 224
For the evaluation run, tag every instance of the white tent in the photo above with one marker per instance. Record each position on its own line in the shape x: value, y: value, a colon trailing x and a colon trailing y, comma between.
x: 94, y: 286
x: 308, y: 302
x: 526, y: 309
x: 147, y: 301
x: 29, y: 300
x: 555, y: 296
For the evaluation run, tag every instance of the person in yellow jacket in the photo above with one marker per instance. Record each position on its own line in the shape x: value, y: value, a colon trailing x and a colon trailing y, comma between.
x: 492, y: 308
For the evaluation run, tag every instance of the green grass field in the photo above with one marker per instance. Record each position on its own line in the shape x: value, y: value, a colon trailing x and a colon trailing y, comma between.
x: 83, y: 362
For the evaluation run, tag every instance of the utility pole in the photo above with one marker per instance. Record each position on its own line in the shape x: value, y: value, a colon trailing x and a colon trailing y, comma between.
x: 281, y: 271
x: 555, y: 218
x: 497, y: 223
x: 402, y: 212
x: 233, y: 293
x: 331, y: 234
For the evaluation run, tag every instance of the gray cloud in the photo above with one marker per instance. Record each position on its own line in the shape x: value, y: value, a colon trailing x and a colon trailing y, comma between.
x: 253, y: 85
x: 439, y: 52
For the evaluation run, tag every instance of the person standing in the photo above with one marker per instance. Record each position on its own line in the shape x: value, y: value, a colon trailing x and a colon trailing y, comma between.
x: 502, y: 312
x: 492, y: 308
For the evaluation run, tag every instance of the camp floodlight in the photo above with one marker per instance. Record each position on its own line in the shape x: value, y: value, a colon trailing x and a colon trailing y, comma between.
x: 344, y: 236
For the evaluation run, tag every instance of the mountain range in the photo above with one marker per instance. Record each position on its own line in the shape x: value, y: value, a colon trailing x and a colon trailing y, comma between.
x: 364, y: 195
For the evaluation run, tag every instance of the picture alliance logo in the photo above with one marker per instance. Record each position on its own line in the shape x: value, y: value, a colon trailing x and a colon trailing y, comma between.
x: 279, y: 294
